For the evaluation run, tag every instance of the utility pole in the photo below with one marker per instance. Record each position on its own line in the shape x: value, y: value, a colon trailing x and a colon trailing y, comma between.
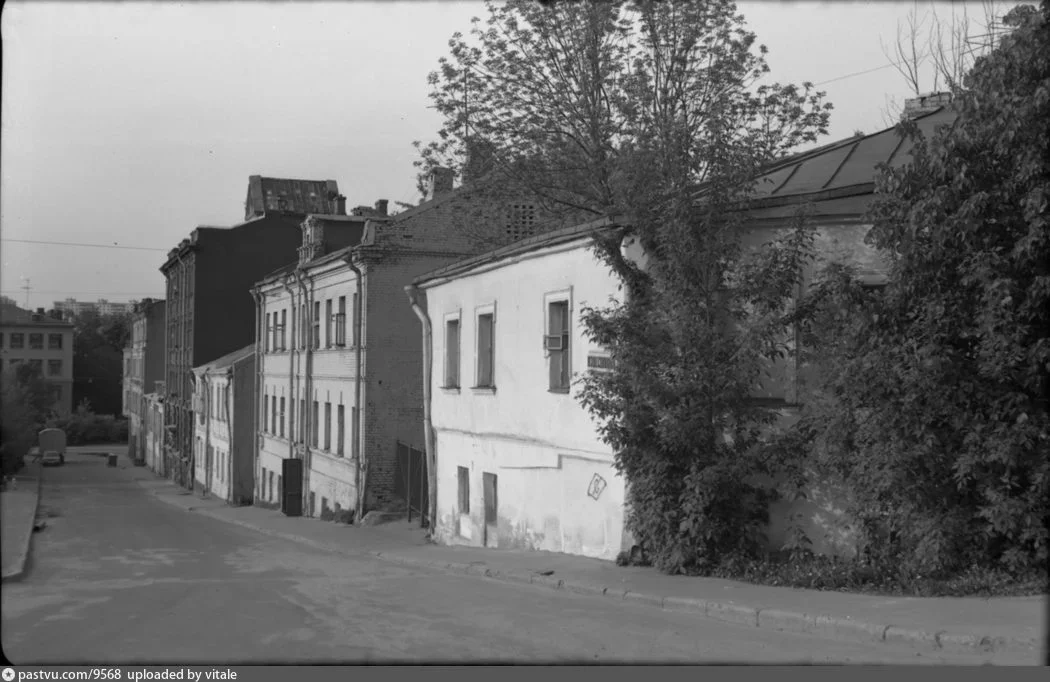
x: 25, y: 287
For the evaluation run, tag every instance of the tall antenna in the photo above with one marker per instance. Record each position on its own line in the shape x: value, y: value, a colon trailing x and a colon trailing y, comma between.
x: 25, y: 287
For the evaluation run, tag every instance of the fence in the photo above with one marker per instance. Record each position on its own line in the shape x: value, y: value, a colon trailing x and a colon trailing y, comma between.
x: 410, y: 482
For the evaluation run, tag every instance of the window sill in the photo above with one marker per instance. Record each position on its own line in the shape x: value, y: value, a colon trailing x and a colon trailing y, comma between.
x: 562, y: 391
x: 489, y: 390
x: 450, y: 389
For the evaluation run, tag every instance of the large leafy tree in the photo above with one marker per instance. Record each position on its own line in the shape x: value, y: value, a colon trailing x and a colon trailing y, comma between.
x: 98, y: 343
x: 934, y: 398
x: 655, y: 113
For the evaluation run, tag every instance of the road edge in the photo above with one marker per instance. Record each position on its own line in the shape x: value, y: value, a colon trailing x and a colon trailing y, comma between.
x: 20, y: 573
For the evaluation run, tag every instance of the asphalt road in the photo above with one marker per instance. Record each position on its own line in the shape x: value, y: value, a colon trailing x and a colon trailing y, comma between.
x: 119, y: 576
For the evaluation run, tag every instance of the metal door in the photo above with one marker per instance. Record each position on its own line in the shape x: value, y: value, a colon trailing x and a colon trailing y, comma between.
x: 292, y: 495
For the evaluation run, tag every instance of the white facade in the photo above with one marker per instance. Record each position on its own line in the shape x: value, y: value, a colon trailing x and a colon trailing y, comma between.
x: 223, y: 444
x: 153, y: 430
x: 306, y: 393
x: 519, y: 464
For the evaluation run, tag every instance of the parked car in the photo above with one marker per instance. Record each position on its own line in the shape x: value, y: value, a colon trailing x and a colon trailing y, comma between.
x: 53, y: 447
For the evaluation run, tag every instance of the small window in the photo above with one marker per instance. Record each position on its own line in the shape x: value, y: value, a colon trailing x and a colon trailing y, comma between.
x: 317, y: 325
x: 328, y: 340
x: 36, y: 341
x: 316, y: 435
x: 54, y: 341
x: 340, y: 434
x: 18, y: 340
x: 340, y: 323
x: 273, y: 415
x: 486, y: 329
x: 282, y: 417
x: 266, y: 414
x: 328, y: 427
x: 464, y: 490
x: 452, y: 354
x: 54, y: 368
x: 556, y: 343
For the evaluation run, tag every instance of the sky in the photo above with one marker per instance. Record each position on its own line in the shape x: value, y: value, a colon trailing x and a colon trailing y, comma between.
x: 128, y: 124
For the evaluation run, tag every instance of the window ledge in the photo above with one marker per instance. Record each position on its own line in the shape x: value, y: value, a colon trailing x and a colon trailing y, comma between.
x: 562, y: 391
x: 489, y: 390
x: 450, y: 389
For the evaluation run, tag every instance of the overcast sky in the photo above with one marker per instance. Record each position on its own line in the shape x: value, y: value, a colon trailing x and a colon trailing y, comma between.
x: 132, y: 123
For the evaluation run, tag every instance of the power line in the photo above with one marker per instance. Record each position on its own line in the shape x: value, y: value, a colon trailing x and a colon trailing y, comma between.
x: 94, y: 246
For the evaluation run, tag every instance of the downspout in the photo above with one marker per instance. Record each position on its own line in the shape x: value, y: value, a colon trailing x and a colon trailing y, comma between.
x: 361, y: 473
x: 257, y: 437
x: 291, y: 368
x: 428, y: 426
x: 307, y: 384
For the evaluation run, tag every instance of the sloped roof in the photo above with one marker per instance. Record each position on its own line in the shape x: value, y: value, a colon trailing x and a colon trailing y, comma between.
x: 227, y: 360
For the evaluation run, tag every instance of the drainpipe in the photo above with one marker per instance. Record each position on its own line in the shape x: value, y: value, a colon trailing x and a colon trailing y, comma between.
x: 257, y: 381
x: 307, y: 383
x: 361, y: 474
x: 291, y: 367
x: 428, y: 426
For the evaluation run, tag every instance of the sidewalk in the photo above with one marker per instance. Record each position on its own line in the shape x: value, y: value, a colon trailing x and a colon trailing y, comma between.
x: 1000, y: 625
x: 18, y: 509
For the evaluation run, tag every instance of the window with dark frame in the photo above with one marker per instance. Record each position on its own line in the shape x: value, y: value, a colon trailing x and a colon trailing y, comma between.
x: 54, y: 341
x: 328, y: 427
x: 316, y: 435
x: 452, y: 353
x: 556, y: 343
x: 317, y: 325
x: 36, y: 341
x: 266, y: 414
x: 284, y: 326
x: 18, y: 340
x: 340, y: 433
x: 273, y: 415
x: 340, y: 323
x: 282, y: 417
x: 54, y: 368
x: 328, y: 340
x: 464, y: 489
x: 485, y: 350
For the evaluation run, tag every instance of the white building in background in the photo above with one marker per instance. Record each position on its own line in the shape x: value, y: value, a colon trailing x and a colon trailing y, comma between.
x: 71, y: 307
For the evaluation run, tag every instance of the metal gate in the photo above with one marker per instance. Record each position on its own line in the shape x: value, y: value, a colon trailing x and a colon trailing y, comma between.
x: 292, y: 495
x: 410, y: 482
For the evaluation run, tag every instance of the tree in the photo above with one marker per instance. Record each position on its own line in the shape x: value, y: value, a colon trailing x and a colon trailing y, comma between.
x: 935, y: 396
x: 653, y: 112
x: 25, y: 402
x: 98, y: 343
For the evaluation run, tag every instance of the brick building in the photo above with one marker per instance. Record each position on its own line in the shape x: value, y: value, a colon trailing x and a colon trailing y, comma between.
x: 209, y: 305
x: 143, y: 368
x: 340, y: 372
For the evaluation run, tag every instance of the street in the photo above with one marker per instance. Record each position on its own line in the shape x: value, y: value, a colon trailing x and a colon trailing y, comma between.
x: 119, y: 576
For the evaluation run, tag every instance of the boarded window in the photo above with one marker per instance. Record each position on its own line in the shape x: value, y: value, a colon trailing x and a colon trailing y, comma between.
x: 452, y: 353
x: 485, y: 350
x: 340, y: 432
x: 557, y: 345
x: 464, y: 490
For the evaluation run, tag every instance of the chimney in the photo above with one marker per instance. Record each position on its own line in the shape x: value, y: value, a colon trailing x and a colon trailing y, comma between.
x: 340, y: 205
x: 925, y: 104
x: 39, y: 311
x: 381, y: 207
x: 439, y: 182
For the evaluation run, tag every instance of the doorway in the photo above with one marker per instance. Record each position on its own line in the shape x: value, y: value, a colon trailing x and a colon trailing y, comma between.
x: 491, y: 499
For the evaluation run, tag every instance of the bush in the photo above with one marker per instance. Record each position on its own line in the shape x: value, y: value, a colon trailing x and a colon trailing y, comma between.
x: 84, y: 427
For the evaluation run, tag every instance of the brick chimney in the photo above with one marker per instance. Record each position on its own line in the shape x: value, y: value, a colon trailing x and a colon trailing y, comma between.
x: 925, y: 104
x: 439, y: 182
x: 340, y: 205
x: 381, y: 207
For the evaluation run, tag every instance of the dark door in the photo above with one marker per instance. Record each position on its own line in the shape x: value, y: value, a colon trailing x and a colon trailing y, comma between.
x: 489, y: 483
x: 292, y: 495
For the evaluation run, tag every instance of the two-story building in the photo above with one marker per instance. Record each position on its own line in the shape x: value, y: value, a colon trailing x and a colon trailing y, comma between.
x: 518, y: 462
x: 209, y: 276
x: 224, y: 442
x: 143, y: 368
x: 42, y: 342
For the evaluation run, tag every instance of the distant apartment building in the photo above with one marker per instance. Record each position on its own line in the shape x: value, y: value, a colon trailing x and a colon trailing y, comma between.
x: 71, y: 308
x: 43, y: 342
x: 143, y: 369
x: 224, y: 440
x: 209, y: 276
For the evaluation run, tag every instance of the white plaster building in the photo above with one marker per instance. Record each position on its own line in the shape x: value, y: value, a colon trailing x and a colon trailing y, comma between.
x: 224, y: 403
x: 519, y: 462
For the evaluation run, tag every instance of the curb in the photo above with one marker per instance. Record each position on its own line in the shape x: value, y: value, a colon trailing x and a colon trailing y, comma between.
x: 835, y: 627
x: 18, y: 575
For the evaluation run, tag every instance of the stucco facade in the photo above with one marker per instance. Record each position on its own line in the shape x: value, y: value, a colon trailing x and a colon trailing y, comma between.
x: 45, y: 343
x: 224, y: 404
x: 143, y: 368
x: 519, y: 463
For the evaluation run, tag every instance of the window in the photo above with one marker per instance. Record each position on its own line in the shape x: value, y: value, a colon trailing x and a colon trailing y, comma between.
x: 317, y: 325
x: 340, y: 323
x: 18, y: 340
x: 54, y: 368
x: 302, y: 421
x: 266, y: 414
x: 54, y: 341
x: 486, y: 327
x: 273, y: 415
x: 353, y: 432
x: 340, y: 431
x: 328, y: 427
x: 37, y: 365
x: 284, y: 326
x: 282, y: 418
x: 268, y: 332
x: 270, y: 486
x: 328, y: 324
x: 556, y: 343
x: 464, y: 490
x: 452, y: 353
x: 357, y: 316
x: 316, y: 431
x: 36, y: 341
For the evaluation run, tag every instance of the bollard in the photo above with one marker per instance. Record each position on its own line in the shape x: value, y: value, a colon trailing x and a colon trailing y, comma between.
x: 112, y: 461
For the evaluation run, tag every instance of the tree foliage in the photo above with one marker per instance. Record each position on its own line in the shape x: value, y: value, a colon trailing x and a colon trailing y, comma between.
x: 98, y: 344
x: 25, y: 403
x: 933, y: 401
x: 636, y: 110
